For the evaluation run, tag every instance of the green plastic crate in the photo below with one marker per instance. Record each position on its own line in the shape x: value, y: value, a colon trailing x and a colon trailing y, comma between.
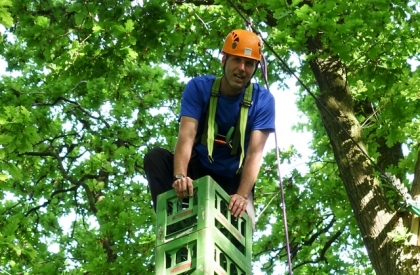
x: 204, y: 252
x: 207, y: 208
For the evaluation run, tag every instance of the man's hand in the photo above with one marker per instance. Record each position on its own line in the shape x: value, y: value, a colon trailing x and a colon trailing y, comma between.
x: 237, y: 205
x: 183, y: 187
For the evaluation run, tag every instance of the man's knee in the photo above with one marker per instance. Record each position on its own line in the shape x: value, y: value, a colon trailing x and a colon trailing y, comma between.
x: 155, y: 157
x: 153, y: 153
x: 158, y: 167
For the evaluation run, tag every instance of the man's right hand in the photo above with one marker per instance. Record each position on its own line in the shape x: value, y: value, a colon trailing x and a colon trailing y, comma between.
x: 183, y: 187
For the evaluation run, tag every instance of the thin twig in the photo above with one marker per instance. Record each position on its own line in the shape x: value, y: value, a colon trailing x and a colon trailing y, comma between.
x: 275, y: 195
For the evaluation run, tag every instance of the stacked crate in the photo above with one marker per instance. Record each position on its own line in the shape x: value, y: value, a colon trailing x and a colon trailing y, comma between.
x: 198, y: 235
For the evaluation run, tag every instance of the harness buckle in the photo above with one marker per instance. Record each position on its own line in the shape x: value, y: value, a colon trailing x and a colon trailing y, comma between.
x: 220, y: 139
x: 247, y: 104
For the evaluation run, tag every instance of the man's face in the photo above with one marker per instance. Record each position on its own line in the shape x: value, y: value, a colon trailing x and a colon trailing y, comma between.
x: 238, y: 70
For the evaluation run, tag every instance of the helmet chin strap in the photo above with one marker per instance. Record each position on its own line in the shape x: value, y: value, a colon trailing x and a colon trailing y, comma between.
x: 256, y: 68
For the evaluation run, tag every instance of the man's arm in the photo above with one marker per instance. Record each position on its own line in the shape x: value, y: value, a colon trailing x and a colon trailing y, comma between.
x: 182, y: 155
x: 238, y: 202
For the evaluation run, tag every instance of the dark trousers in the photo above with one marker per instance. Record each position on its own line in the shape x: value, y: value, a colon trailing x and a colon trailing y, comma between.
x: 159, y: 169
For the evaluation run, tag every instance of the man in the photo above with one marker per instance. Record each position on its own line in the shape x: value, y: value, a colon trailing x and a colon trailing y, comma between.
x: 193, y: 159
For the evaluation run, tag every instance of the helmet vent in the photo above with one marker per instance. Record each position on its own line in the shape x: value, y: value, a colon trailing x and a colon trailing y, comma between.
x: 235, y: 39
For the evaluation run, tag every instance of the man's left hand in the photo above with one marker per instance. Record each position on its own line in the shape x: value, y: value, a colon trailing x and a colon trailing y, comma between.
x: 237, y: 205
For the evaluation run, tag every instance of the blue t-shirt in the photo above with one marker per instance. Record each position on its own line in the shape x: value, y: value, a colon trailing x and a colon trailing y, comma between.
x: 195, y: 101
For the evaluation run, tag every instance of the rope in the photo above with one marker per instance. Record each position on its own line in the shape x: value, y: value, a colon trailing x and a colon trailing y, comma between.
x: 249, y: 25
x: 283, y: 201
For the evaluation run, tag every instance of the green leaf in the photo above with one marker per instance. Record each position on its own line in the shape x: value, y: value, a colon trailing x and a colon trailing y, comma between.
x: 5, y: 16
x: 14, y: 172
x: 75, y: 7
x: 80, y: 17
x: 132, y: 54
x: 3, y: 120
x: 129, y: 25
x: 303, y: 12
x: 5, y: 139
x: 6, y: 3
x: 17, y: 250
x: 119, y: 29
x: 3, y: 177
x: 42, y: 21
x: 96, y: 28
x: 11, y: 227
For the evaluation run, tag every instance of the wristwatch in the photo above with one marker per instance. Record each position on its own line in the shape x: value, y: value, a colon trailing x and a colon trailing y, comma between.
x: 178, y: 176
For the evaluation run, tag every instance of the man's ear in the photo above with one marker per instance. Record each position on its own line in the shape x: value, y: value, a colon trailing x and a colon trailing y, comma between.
x: 224, y: 57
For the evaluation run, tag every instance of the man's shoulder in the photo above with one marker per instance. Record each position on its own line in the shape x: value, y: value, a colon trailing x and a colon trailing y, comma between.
x: 200, y: 85
x: 203, y: 80
x: 262, y: 91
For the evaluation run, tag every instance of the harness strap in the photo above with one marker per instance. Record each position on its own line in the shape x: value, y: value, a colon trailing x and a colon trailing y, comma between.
x: 208, y: 138
x: 210, y: 126
x: 239, y: 134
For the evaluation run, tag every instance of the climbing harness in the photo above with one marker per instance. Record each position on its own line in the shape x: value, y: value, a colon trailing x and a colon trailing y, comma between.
x: 235, y: 138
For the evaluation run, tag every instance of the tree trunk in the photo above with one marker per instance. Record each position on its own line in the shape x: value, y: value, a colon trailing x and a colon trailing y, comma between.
x: 356, y: 170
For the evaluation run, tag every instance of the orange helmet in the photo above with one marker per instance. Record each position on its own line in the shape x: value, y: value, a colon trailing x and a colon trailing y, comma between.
x: 243, y: 43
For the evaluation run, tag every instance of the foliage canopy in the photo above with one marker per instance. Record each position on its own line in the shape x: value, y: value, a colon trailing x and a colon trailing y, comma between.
x: 86, y: 94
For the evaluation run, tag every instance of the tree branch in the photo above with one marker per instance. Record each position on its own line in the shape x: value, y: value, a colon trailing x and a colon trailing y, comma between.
x: 72, y: 180
x: 270, y: 20
x: 328, y: 244
x: 10, y: 208
x: 321, y: 257
x: 75, y: 219
x: 55, y: 155
x: 49, y: 200
x: 311, y: 240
